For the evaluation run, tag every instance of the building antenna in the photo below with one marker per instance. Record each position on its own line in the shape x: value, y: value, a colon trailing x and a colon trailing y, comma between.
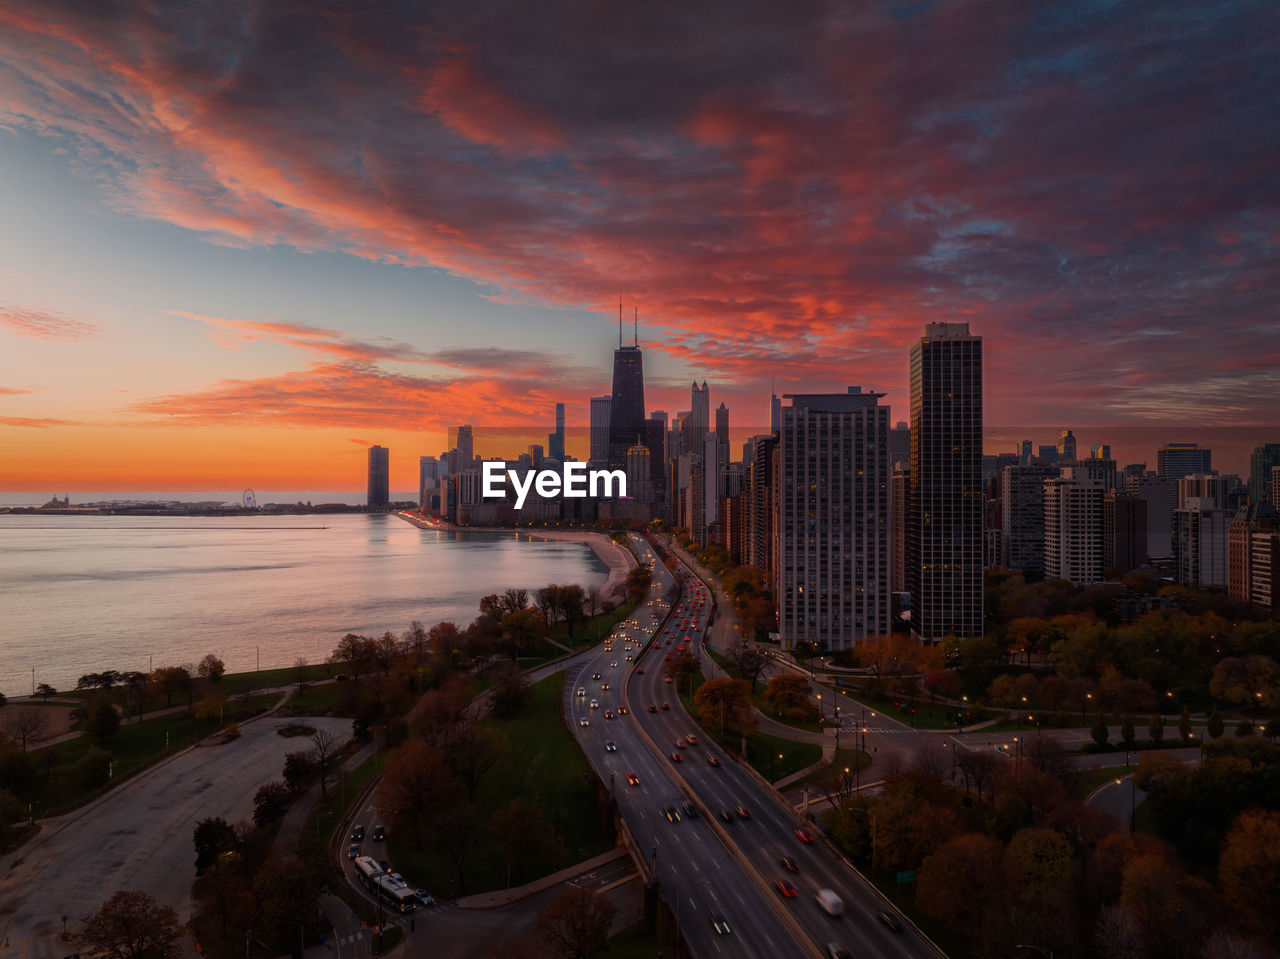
x: 619, y: 321
x: 637, y: 327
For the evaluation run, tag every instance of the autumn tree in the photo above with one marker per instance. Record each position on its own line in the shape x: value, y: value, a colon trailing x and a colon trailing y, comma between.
x: 211, y: 668
x: 911, y: 828
x: 358, y: 653
x: 510, y: 692
x: 682, y: 665
x: 416, y: 789
x: 472, y: 750
x: 102, y: 721
x: 171, y: 680
x: 725, y: 703
x: 445, y: 639
x: 1250, y: 680
x: 788, y: 695
x: 270, y: 802
x: 576, y: 924
x: 1248, y: 867
x: 132, y: 925
x: 26, y: 725
x: 212, y: 837
x: 286, y: 896
x: 961, y: 881
x: 524, y: 834
x: 638, y: 582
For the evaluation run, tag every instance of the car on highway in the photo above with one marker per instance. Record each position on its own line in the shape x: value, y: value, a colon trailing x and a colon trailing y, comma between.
x: 622, y: 710
x: 837, y: 951
x: 639, y: 669
x: 614, y: 663
x: 608, y: 714
x: 743, y: 812
x: 633, y: 779
x: 379, y: 833
x: 353, y: 851
x: 595, y: 704
x: 595, y: 675
x: 691, y: 739
x: 713, y: 760
x: 630, y: 658
x: 670, y: 812
x: 582, y: 690
x: 726, y: 816
x: 357, y: 834
x: 889, y: 920
x: 718, y: 923
x: 611, y: 747
x: 604, y: 687
x: 804, y: 835
x: 653, y: 708
x: 668, y: 679
x: 584, y: 721
x: 785, y: 889
x: 676, y: 757
x: 690, y: 810
x: 679, y: 744
x: 666, y: 705
x: 789, y: 864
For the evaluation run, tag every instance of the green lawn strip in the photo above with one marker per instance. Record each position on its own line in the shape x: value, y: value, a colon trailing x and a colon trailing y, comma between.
x: 851, y: 759
x: 926, y: 716
x: 758, y: 700
x: 136, y: 746
x: 763, y: 750
x: 542, y: 765
x: 1086, y: 781
x: 591, y: 631
x: 330, y: 811
x: 319, y: 700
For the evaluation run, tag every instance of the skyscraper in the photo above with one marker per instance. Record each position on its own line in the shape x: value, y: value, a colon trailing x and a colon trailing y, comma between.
x: 555, y: 442
x: 945, y: 562
x: 1124, y: 532
x: 900, y: 444
x: 626, y: 409
x: 722, y: 436
x: 1262, y: 461
x: 379, y: 477
x: 1066, y: 447
x: 1022, y: 516
x: 698, y: 422
x: 466, y: 447
x: 1176, y: 460
x: 1073, y: 528
x: 600, y: 407
x: 831, y: 519
x: 428, y: 475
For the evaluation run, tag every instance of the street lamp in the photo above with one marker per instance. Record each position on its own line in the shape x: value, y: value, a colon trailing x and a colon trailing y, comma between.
x: 1132, y: 801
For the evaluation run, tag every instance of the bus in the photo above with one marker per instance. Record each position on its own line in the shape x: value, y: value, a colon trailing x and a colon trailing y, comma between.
x: 393, y: 893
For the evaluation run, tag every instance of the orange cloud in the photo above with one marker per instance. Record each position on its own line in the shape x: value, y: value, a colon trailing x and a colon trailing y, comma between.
x: 45, y: 325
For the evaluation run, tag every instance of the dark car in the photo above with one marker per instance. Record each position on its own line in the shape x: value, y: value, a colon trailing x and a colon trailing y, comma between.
x: 718, y: 923
x: 666, y: 705
x: 357, y: 834
x: 789, y: 864
x: 713, y: 760
x: 379, y: 833
x: 670, y: 812
x: 889, y: 920
x: 726, y: 816
x: 785, y: 889
x: 353, y: 850
x: 677, y: 758
x: 653, y: 708
x: 804, y: 835
x: 743, y: 812
x: 690, y: 810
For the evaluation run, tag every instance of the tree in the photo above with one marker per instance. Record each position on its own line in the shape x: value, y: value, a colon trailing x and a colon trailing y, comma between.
x: 576, y: 924
x: 1039, y: 860
x: 93, y: 769
x: 524, y: 626
x: 103, y: 721
x: 523, y: 832
x: 748, y: 660
x: 510, y: 693
x: 270, y: 802
x: 456, y: 834
x: 44, y: 691
x: 725, y: 704
x: 417, y: 787
x: 28, y: 724
x: 1156, y: 728
x: 1003, y: 690
x: 1126, y: 731
x: 471, y: 751
x: 1118, y: 935
x: 325, y: 750
x: 132, y: 925
x: 977, y: 766
x: 1215, y: 725
x: 1247, y: 869
x: 212, y: 837
x: 910, y: 829
x: 286, y: 895
x: 1184, y: 726
x: 211, y: 668
x: 358, y: 653
x: 446, y: 639
x: 961, y: 881
x: 11, y: 813
x: 788, y: 693
x: 1251, y: 680
x: 169, y: 680
x: 638, y: 582
x: 299, y: 769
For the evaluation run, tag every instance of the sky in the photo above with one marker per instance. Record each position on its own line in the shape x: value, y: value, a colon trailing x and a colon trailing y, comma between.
x: 243, y: 241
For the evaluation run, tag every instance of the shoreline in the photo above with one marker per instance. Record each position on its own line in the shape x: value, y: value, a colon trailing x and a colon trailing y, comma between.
x: 618, y: 559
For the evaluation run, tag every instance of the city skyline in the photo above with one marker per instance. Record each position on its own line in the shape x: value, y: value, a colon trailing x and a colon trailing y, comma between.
x: 241, y: 268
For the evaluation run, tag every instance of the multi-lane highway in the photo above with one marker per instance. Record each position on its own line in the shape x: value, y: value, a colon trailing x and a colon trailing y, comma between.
x: 700, y: 879
x: 694, y: 864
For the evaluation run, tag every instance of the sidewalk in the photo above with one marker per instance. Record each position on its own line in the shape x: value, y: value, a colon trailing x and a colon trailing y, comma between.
x: 503, y: 897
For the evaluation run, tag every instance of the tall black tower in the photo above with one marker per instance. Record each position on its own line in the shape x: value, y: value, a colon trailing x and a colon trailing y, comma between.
x: 626, y: 414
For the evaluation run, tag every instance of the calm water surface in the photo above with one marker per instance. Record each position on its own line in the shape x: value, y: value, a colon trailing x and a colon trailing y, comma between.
x: 84, y: 594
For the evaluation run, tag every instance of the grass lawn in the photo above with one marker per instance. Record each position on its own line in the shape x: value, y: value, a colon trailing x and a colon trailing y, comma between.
x: 315, y: 700
x: 594, y: 629
x: 55, y: 787
x: 926, y: 716
x: 542, y: 765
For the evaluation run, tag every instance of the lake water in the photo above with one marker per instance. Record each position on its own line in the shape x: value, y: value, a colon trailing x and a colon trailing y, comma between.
x: 88, y: 593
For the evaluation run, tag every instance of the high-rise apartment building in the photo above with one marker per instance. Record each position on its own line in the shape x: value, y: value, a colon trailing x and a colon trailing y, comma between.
x: 1159, y: 494
x: 899, y: 524
x: 379, y: 477
x: 1262, y: 461
x: 831, y: 519
x: 1124, y: 532
x: 1022, y: 517
x: 698, y: 423
x: 1176, y: 460
x: 466, y: 447
x: 946, y: 532
x: 758, y: 532
x: 1073, y: 528
x: 900, y: 444
x: 722, y: 437
x: 1203, y: 486
x: 599, y: 447
x: 1200, y: 544
x: 1250, y: 520
x: 428, y: 477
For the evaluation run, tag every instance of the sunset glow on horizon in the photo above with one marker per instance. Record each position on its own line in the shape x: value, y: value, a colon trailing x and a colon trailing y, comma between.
x: 243, y: 245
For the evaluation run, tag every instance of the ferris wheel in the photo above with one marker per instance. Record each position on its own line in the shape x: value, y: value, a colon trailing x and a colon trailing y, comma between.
x: 249, y: 500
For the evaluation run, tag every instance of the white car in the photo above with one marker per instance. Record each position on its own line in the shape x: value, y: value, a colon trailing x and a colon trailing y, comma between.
x: 582, y: 690
x: 595, y: 704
